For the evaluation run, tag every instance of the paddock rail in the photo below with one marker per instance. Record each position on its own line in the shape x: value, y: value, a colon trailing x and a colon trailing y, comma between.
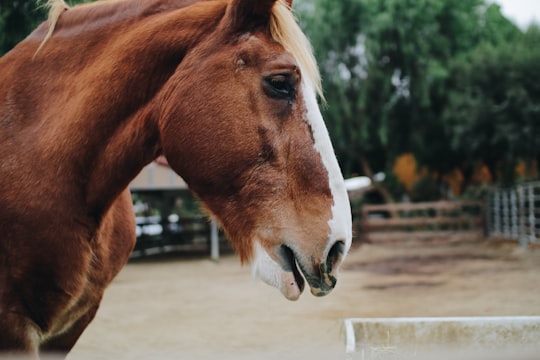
x: 427, y: 220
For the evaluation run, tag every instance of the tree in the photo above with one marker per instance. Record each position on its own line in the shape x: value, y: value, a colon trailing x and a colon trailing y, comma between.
x: 390, y: 71
x: 384, y: 63
x: 17, y: 19
x: 493, y: 113
x: 341, y: 45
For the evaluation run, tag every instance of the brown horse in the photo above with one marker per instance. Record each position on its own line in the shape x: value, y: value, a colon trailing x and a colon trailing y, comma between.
x: 225, y: 89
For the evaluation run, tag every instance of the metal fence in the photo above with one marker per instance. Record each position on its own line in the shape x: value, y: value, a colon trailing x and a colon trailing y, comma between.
x: 515, y: 213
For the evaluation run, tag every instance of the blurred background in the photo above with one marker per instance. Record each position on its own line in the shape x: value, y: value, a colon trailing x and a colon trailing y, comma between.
x: 442, y: 96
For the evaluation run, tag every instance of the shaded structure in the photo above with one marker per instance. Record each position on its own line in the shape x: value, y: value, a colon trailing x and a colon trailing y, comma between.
x: 169, y: 217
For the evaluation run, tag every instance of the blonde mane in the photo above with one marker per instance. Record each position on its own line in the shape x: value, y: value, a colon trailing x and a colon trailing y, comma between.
x: 286, y: 31
x: 56, y: 8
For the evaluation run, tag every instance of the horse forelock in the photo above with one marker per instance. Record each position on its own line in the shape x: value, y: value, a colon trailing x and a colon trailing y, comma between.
x: 285, y: 30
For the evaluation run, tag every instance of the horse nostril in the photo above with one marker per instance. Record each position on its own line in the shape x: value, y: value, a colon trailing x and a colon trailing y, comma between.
x: 328, y: 268
x: 335, y: 255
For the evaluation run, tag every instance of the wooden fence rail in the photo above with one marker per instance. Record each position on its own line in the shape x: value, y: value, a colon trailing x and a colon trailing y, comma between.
x: 391, y: 222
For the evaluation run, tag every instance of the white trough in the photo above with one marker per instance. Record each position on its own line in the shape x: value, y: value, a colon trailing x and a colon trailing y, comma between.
x: 512, y: 337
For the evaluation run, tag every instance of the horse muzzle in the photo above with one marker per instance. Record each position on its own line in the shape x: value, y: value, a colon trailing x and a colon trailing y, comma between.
x: 321, y: 276
x: 288, y: 269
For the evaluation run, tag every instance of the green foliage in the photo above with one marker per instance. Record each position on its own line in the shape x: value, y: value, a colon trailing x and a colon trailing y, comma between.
x: 426, y: 189
x: 384, y: 66
x: 17, y: 19
x: 453, y: 82
x: 392, y: 184
x: 476, y: 193
x: 493, y: 111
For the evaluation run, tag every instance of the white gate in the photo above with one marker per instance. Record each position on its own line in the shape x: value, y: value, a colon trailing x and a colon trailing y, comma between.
x: 515, y: 213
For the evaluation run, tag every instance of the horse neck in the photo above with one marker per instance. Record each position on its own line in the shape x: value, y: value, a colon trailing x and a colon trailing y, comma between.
x: 108, y: 119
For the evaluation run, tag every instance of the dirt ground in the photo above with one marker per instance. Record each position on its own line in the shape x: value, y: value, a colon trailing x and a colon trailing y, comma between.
x: 177, y: 308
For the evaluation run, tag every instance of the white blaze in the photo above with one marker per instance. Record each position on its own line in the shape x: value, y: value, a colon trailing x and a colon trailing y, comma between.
x: 341, y: 222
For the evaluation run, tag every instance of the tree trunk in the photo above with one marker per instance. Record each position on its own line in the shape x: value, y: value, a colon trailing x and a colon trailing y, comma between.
x: 537, y: 170
x: 467, y: 170
x: 366, y: 168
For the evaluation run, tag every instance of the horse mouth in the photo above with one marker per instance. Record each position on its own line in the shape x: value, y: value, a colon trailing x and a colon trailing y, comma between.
x: 290, y: 264
x: 321, y: 280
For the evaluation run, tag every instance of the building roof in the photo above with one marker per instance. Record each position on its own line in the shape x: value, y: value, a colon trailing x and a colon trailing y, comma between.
x: 158, y: 176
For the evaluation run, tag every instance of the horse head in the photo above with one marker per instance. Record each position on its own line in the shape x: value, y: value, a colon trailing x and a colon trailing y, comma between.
x: 239, y: 121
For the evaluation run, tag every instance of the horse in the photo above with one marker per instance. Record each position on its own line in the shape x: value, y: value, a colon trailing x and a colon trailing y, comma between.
x: 228, y: 91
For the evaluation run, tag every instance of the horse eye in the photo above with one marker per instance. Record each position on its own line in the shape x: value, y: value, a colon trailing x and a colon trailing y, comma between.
x: 279, y: 86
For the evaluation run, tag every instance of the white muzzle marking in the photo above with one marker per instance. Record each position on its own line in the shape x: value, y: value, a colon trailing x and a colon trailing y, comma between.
x: 272, y: 273
x: 341, y: 222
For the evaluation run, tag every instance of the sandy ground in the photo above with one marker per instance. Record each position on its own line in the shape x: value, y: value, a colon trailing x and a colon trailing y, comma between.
x: 177, y: 308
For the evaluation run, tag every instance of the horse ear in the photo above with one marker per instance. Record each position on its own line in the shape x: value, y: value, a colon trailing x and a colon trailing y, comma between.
x: 245, y: 15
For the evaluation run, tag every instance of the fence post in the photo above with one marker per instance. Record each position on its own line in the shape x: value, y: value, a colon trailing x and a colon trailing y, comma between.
x: 506, y: 214
x: 514, y: 232
x: 532, y: 217
x: 522, y: 237
x: 487, y: 214
x: 496, y: 210
x: 214, y: 241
